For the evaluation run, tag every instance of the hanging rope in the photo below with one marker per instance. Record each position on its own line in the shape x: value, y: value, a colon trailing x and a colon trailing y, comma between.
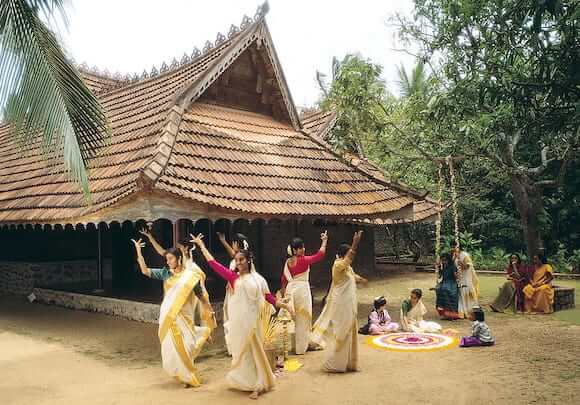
x: 438, y: 221
x: 453, y: 198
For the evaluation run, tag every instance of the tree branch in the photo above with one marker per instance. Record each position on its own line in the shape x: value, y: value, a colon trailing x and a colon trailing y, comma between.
x: 536, y: 171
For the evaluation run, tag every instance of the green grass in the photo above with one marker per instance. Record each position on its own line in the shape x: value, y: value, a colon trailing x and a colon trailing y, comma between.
x: 398, y: 287
x: 489, y: 288
x: 571, y: 316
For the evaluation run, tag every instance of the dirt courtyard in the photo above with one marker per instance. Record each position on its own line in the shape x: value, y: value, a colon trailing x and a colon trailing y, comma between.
x: 51, y: 355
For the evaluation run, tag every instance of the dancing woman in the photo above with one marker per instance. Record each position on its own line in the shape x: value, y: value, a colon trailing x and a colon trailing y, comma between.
x: 240, y: 242
x: 337, y: 323
x: 296, y: 286
x: 181, y: 339
x: 250, y: 370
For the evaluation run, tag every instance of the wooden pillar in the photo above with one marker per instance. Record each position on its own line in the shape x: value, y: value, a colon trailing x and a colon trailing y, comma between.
x: 99, y: 260
x: 175, y: 225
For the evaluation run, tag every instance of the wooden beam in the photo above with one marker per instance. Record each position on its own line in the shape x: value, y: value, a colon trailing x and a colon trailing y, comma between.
x: 259, y: 83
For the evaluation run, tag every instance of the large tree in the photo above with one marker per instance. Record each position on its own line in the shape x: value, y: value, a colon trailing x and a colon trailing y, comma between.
x: 509, y: 89
x: 41, y: 93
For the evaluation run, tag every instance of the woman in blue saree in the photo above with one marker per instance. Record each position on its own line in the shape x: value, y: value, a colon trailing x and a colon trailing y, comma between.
x: 447, y: 290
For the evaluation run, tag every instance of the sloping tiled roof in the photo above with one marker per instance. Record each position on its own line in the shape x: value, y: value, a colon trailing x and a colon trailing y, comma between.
x: 164, y: 140
x: 98, y: 83
x: 250, y: 162
x: 319, y: 123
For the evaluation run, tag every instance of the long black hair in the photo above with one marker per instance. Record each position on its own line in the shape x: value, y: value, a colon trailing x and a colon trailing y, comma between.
x: 418, y: 292
x: 295, y: 244
x: 379, y: 302
x: 517, y: 256
x: 478, y: 314
x: 242, y: 241
x: 543, y: 258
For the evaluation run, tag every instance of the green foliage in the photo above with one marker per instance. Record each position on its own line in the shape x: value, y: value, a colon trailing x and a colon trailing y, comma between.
x: 356, y: 93
x: 503, y: 92
x: 42, y: 94
x: 416, y: 84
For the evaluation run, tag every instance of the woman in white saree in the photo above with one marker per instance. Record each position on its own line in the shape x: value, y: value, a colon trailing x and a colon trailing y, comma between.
x: 336, y: 326
x: 468, y: 282
x: 296, y: 286
x: 412, y: 313
x: 239, y: 242
x: 250, y: 370
x: 184, y: 296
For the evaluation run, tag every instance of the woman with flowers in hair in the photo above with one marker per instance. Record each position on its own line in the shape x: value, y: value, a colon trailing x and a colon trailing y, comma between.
x: 239, y: 242
x: 250, y: 370
x: 296, y: 286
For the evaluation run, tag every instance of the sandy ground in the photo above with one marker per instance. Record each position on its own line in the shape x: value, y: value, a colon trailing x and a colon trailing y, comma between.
x: 50, y: 355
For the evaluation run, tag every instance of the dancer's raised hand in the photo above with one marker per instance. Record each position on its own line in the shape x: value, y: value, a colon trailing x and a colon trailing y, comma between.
x: 324, y: 236
x: 197, y: 240
x: 146, y: 232
x: 139, y: 244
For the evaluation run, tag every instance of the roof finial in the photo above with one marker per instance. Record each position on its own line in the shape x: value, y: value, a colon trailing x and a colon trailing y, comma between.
x: 233, y: 31
x: 196, y: 52
x: 163, y: 68
x: 185, y: 59
x: 145, y: 74
x: 246, y: 22
x: 174, y: 64
x: 220, y: 38
x: 154, y: 72
x: 262, y: 11
x: 208, y: 46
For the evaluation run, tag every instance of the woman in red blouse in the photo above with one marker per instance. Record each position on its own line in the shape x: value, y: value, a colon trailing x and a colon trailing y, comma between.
x: 296, y: 286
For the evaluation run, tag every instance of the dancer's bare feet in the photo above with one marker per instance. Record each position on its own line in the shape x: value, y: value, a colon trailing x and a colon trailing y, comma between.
x: 255, y: 394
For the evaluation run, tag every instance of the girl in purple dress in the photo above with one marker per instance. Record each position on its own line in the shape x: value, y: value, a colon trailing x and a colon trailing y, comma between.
x: 379, y: 319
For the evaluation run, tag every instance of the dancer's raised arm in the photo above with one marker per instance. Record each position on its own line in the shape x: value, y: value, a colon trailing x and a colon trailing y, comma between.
x: 229, y: 248
x: 221, y: 270
x: 139, y: 244
x: 158, y: 248
x: 349, y: 257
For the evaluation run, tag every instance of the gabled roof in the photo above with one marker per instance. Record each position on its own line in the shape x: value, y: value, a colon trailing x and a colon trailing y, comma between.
x: 165, y: 139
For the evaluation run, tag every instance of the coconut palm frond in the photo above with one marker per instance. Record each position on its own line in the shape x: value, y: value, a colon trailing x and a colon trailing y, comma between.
x: 404, y: 82
x: 42, y: 93
x: 272, y: 326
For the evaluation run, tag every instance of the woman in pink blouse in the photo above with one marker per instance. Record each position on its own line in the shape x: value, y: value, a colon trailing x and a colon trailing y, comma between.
x: 250, y: 370
x: 296, y: 286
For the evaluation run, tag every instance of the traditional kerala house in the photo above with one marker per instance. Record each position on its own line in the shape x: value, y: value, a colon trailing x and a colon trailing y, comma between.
x: 210, y: 143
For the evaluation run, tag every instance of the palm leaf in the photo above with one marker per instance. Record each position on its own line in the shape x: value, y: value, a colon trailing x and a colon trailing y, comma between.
x: 42, y: 95
x: 404, y: 81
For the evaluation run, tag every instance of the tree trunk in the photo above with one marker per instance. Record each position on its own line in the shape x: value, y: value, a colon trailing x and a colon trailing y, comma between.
x: 528, y: 200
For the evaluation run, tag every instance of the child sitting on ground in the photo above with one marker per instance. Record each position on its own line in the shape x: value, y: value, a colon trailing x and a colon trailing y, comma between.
x: 379, y: 321
x: 480, y: 332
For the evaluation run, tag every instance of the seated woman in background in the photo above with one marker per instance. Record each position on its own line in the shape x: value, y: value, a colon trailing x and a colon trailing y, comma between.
x: 539, y: 293
x: 447, y: 290
x: 412, y: 312
x: 511, y: 294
